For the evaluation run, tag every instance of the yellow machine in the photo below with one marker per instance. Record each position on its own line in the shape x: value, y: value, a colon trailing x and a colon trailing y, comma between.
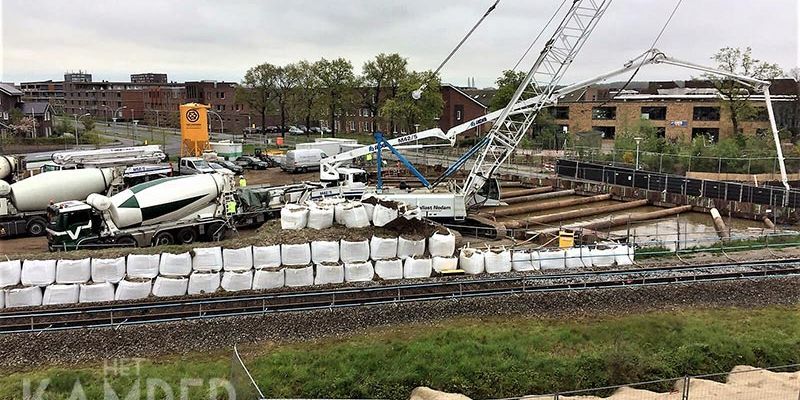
x: 194, y: 129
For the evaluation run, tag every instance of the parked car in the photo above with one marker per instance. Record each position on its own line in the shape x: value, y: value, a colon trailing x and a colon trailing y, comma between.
x: 302, y: 128
x: 194, y: 166
x: 326, y: 130
x: 228, y: 165
x: 250, y: 162
x: 250, y: 131
x: 220, y: 169
x: 293, y: 130
x: 272, y: 129
x: 302, y: 160
x: 315, y: 129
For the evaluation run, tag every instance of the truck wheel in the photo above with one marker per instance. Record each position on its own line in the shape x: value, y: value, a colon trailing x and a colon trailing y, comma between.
x: 36, y: 226
x: 126, y: 241
x: 304, y: 170
x: 187, y: 235
x: 215, y: 232
x: 163, y: 239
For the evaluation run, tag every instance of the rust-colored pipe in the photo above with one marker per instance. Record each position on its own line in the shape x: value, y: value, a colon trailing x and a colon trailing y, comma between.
x: 540, y: 196
x: 620, y: 220
x: 525, y: 192
x: 573, y: 214
x: 528, y: 208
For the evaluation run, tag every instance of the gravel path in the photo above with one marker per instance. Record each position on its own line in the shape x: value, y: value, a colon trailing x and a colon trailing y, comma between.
x: 30, y: 351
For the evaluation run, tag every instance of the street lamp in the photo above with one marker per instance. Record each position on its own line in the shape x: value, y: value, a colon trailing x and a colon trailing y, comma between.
x: 76, y: 125
x: 221, y: 124
x: 638, y: 140
x: 116, y: 112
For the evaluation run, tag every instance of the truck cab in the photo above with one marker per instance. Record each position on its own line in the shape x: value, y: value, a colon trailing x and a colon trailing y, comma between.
x: 194, y: 166
x: 71, y: 223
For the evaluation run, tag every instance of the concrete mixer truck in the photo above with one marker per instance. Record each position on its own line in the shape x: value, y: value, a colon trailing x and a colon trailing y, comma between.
x: 165, y: 211
x: 10, y: 167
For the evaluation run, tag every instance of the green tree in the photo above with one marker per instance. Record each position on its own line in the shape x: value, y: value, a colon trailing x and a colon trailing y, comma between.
x: 88, y: 123
x: 423, y: 111
x: 337, y: 80
x: 285, y: 87
x: 258, y: 88
x: 307, y: 91
x: 736, y: 97
x: 384, y: 73
x: 507, y: 85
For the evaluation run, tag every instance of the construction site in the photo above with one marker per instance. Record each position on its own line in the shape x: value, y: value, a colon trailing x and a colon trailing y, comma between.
x: 264, y: 263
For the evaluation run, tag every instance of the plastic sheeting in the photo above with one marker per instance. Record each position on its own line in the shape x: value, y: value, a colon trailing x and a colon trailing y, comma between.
x: 38, y: 272
x: 324, y: 251
x: 73, y: 271
x: 96, y: 292
x: 410, y: 247
x: 108, y: 269
x: 320, y: 216
x: 133, y: 289
x: 268, y: 279
x: 329, y: 273
x: 175, y: 264
x: 623, y: 255
x: 389, y: 269
x: 143, y: 265
x: 354, y: 251
x: 382, y: 248
x: 551, y: 259
x: 297, y: 276
x: 203, y: 282
x: 294, y: 217
x: 23, y: 297
x: 521, y: 260
x: 417, y: 268
x: 382, y: 215
x: 61, y: 294
x: 237, y: 259
x: 359, y: 271
x: 497, y: 261
x: 601, y: 256
x: 296, y: 254
x: 207, y: 259
x: 573, y: 257
x: 355, y: 216
x: 10, y: 273
x: 442, y: 245
x: 166, y: 286
x: 266, y: 257
x: 234, y: 281
x: 471, y: 261
x: 445, y: 263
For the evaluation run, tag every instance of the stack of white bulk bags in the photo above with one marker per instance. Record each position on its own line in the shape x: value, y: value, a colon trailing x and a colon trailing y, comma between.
x: 338, y: 210
x: 573, y: 257
x: 601, y: 256
x: 207, y: 259
x: 299, y: 275
x: 358, y: 271
x: 38, y: 272
x: 442, y: 244
x: 382, y: 248
x: 294, y: 216
x: 237, y: 259
x: 329, y: 272
x: 175, y: 264
x: 521, y: 260
x: 61, y: 294
x: 234, y: 281
x: 133, y: 289
x: 382, y: 215
x: 203, y: 282
x: 142, y: 265
x: 269, y: 278
x: 296, y: 254
x: 23, y: 297
x: 535, y: 263
x: 354, y: 251
x: 73, y: 271
x: 96, y: 292
x: 10, y: 273
x: 551, y: 259
x: 471, y: 261
x: 324, y: 251
x: 389, y: 269
x: 108, y: 269
x: 355, y: 216
x: 441, y: 264
x: 369, y: 207
x: 623, y: 254
x: 409, y: 247
x: 497, y: 261
x: 320, y: 216
x: 267, y: 256
x: 414, y: 267
x: 166, y: 286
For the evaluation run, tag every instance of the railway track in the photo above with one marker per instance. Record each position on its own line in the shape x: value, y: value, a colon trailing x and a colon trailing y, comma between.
x: 166, y: 310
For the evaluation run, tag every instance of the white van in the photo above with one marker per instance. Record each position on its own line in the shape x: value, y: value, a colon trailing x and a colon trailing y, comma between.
x: 194, y: 166
x: 302, y: 160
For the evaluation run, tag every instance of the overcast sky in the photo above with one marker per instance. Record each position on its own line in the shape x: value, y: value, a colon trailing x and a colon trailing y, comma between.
x: 219, y: 40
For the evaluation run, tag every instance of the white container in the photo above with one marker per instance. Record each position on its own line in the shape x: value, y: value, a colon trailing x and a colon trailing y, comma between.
x: 441, y: 264
x: 389, y: 269
x: 268, y: 279
x: 10, y: 273
x: 382, y: 215
x: 266, y: 257
x: 73, y: 271
x: 237, y: 259
x: 338, y: 211
x: 28, y: 296
x: 551, y: 260
x: 409, y: 247
x: 623, y: 255
x: 354, y: 251
x: 165, y: 286
x: 203, y: 282
x: 573, y: 257
x: 471, y: 261
x: 299, y: 276
x: 207, y: 259
x: 497, y: 261
x: 233, y: 281
x: 359, y: 271
x: 417, y: 268
x: 320, y: 217
x: 61, y: 294
x: 108, y: 269
x: 133, y: 290
x: 294, y: 217
x: 38, y: 272
x: 324, y: 251
x: 521, y: 261
x: 442, y: 245
x: 382, y: 248
x: 602, y: 256
x: 296, y: 254
x: 143, y: 265
x: 355, y: 216
x: 329, y: 273
x: 96, y: 292
x: 175, y: 264
x: 535, y: 263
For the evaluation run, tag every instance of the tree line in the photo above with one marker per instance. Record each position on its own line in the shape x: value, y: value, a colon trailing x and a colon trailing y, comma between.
x: 328, y: 89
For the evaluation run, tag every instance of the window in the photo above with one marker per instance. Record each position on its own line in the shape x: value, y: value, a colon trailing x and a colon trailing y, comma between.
x: 710, y: 134
x: 459, y: 112
x: 604, y: 113
x: 47, y: 116
x: 661, y: 132
x: 608, y: 132
x: 705, y: 114
x: 221, y: 95
x: 654, y: 113
x: 560, y: 112
x: 351, y: 125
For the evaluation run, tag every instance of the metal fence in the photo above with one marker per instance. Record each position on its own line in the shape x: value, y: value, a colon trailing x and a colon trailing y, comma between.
x: 743, y: 383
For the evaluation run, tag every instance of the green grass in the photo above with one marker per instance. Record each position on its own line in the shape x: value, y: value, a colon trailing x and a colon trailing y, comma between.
x: 775, y: 242
x: 481, y: 358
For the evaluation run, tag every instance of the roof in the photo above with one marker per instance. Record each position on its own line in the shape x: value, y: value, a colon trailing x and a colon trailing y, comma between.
x: 461, y: 92
x: 37, y: 108
x: 484, y: 96
x: 10, y: 89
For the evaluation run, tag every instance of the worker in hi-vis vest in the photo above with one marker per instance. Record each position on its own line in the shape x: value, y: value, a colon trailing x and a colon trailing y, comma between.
x: 242, y: 181
x: 231, y: 207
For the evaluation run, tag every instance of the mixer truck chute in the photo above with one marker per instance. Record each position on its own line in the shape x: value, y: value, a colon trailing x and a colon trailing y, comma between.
x: 165, y: 211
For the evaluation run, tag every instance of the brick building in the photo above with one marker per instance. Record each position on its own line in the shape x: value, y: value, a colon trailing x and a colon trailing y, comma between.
x: 460, y: 107
x: 149, y: 77
x: 44, y: 91
x: 221, y: 96
x: 131, y: 101
x: 11, y: 100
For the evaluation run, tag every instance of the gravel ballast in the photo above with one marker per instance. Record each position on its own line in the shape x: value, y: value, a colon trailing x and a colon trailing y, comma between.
x: 29, y: 351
